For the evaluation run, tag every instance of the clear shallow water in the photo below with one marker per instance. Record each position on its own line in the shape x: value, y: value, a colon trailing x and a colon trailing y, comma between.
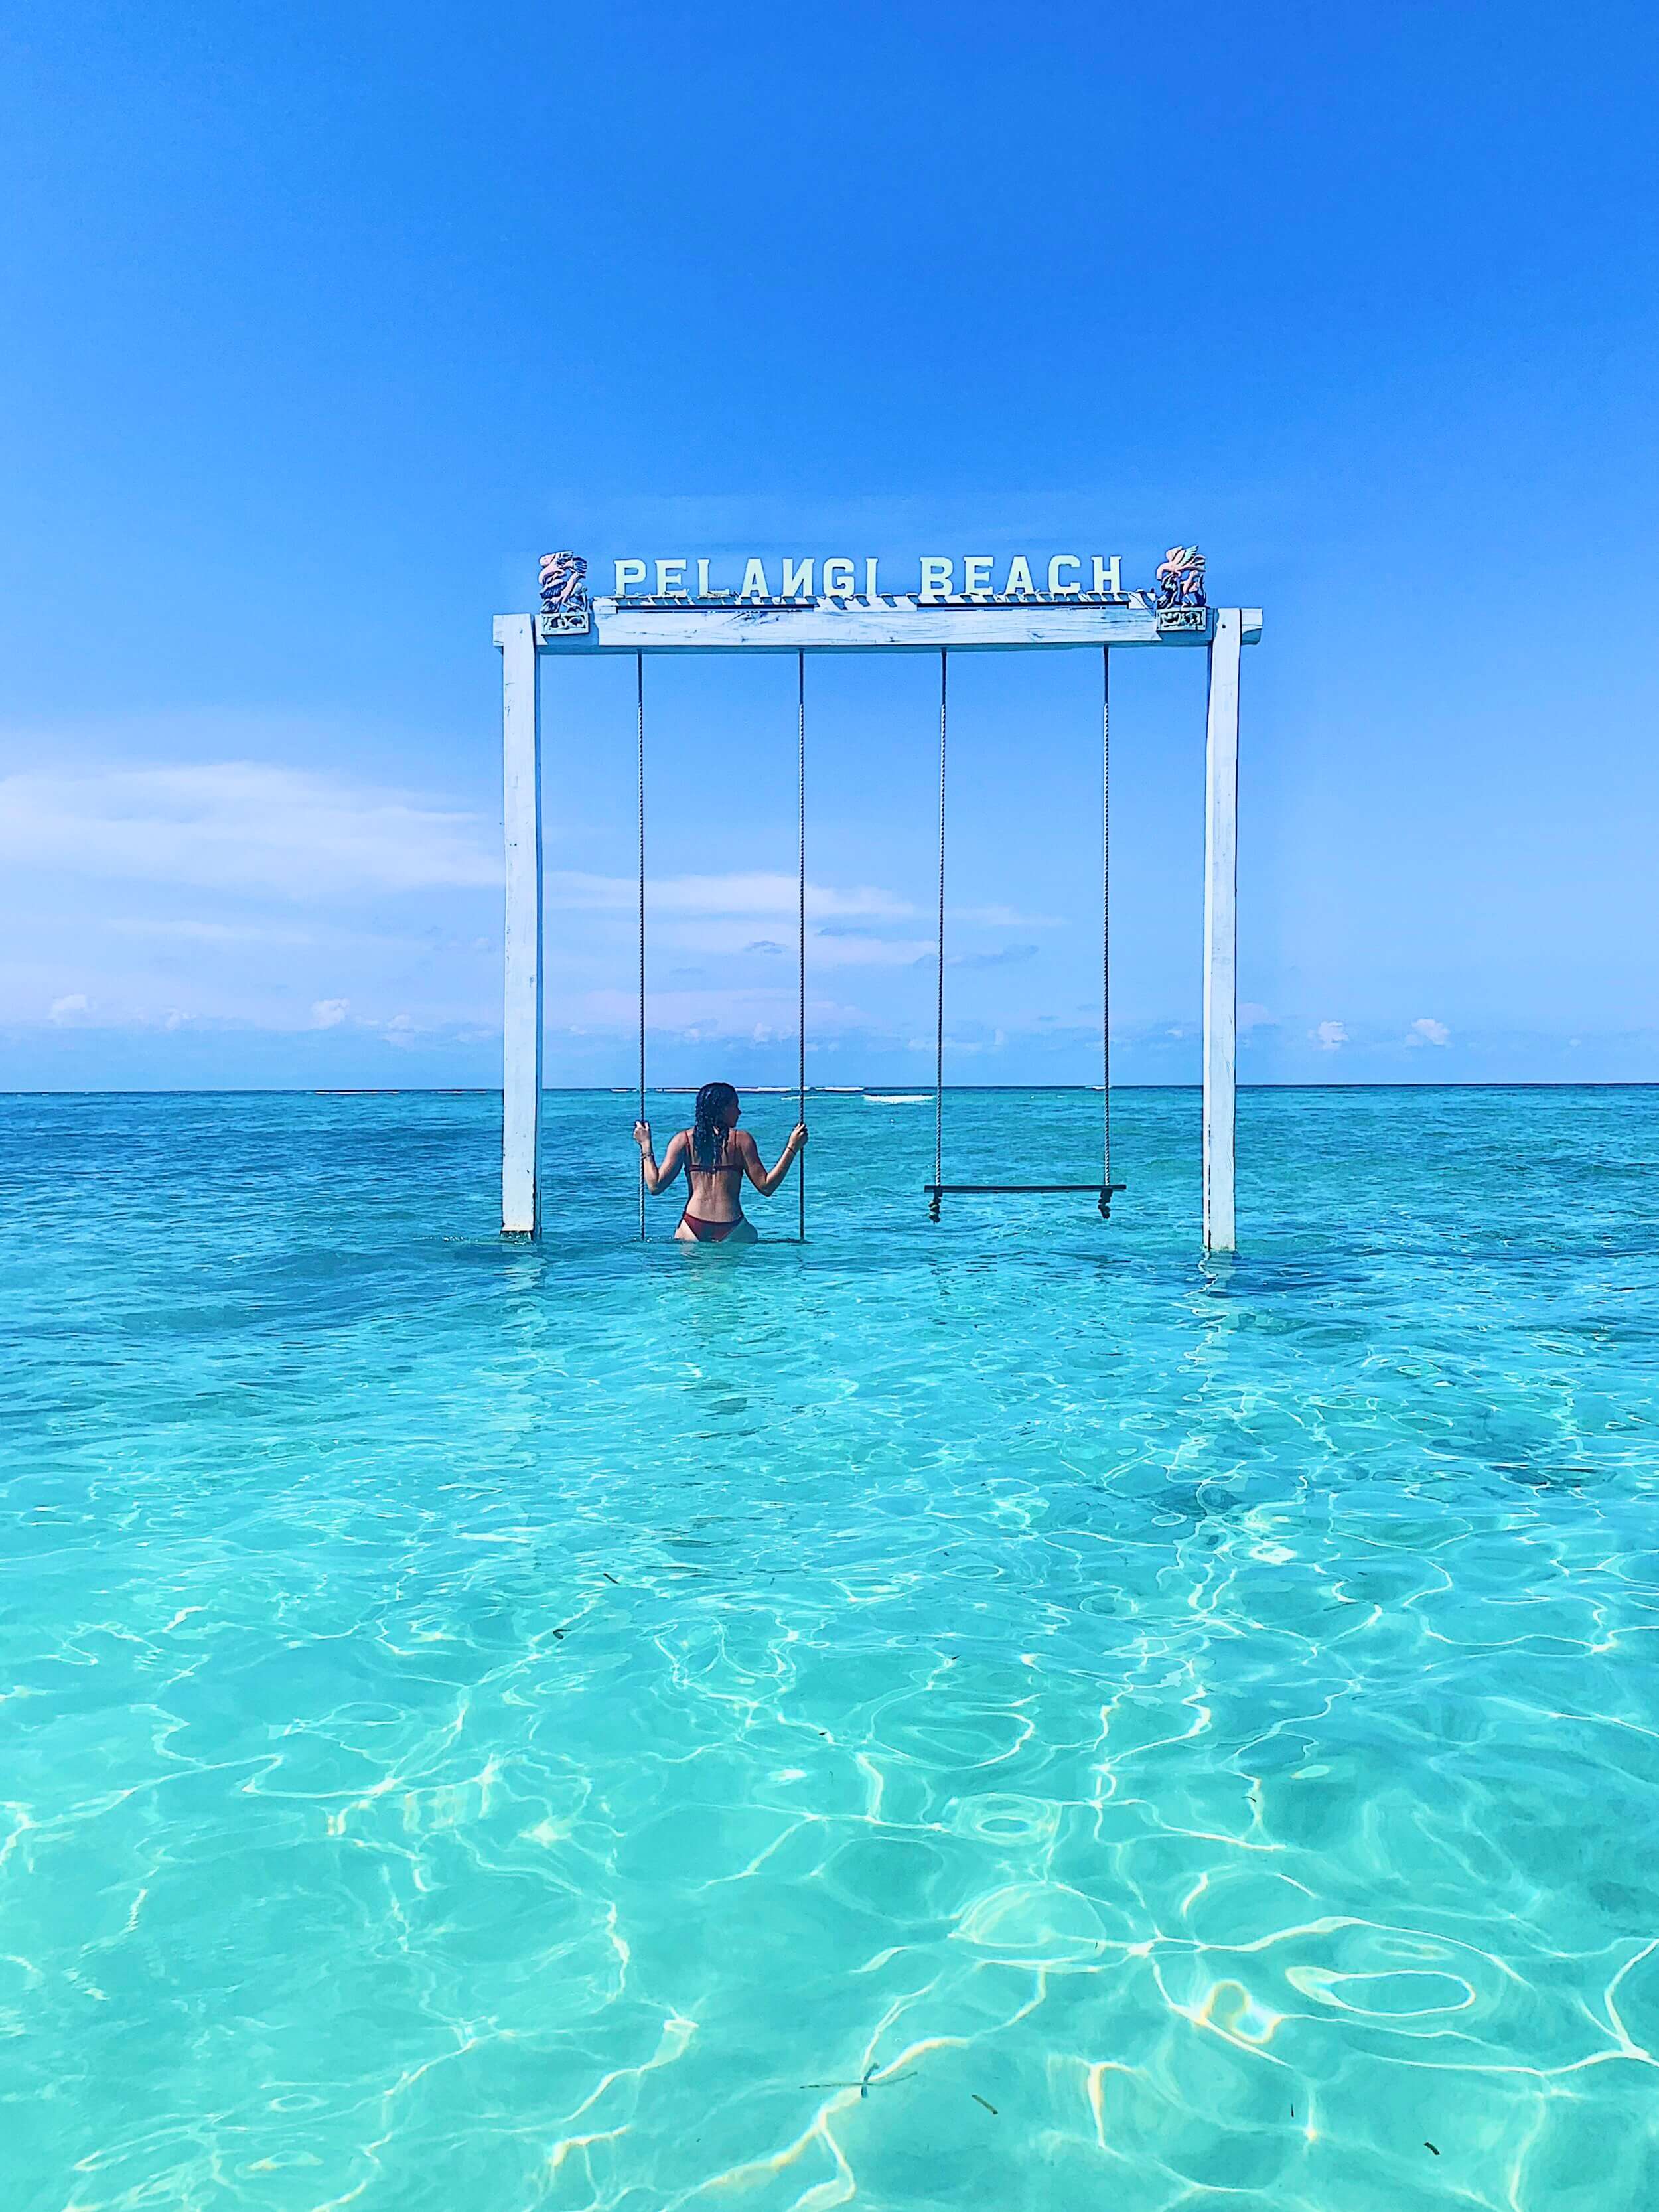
x: 492, y: 1728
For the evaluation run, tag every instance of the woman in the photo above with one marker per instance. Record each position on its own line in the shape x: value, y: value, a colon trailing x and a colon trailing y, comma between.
x: 716, y: 1156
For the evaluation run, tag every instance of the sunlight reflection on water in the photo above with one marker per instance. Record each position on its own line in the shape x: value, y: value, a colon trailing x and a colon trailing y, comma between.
x: 1005, y: 1714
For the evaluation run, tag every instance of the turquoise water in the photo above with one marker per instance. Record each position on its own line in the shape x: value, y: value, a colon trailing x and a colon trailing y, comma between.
x: 1002, y: 1716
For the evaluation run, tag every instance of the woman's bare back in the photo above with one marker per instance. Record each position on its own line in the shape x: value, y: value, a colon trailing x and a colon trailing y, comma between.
x: 717, y: 1192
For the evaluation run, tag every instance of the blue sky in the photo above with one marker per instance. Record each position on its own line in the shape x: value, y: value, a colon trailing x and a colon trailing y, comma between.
x: 323, y: 323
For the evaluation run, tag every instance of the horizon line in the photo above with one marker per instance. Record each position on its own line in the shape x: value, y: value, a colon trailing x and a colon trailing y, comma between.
x: 789, y: 1090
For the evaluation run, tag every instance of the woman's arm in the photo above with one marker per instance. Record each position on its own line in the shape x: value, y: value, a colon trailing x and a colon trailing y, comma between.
x: 657, y: 1178
x: 765, y: 1180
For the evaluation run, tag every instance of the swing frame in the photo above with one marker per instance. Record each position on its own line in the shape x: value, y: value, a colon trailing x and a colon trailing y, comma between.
x: 900, y: 624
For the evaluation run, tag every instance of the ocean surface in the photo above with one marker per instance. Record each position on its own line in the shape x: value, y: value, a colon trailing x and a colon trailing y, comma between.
x: 1003, y: 1714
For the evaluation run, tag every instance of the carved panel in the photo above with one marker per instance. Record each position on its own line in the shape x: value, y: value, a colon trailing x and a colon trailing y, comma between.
x: 565, y: 609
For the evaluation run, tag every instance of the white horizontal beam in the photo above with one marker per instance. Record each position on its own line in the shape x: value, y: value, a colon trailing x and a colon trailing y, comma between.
x: 900, y: 623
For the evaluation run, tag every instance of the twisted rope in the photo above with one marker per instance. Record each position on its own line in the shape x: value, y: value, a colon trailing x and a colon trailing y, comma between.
x: 1106, y: 911
x: 800, y: 993
x: 638, y: 682
x: 938, y: 1025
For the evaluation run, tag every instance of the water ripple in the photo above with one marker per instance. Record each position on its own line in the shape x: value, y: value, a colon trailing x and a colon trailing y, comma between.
x: 1002, y: 1715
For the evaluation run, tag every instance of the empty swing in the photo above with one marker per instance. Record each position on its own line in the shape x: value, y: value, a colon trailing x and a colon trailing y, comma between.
x: 1105, y: 1188
x: 800, y: 917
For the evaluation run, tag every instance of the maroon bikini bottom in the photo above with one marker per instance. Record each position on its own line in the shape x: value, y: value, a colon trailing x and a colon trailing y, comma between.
x: 709, y: 1232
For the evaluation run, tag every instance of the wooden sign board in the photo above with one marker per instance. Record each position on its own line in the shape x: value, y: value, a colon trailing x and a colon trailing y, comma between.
x: 903, y: 624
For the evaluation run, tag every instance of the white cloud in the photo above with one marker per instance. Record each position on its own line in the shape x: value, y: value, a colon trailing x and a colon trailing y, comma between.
x: 1009, y: 956
x: 710, y: 1013
x: 710, y: 915
x: 1426, y: 1031
x: 321, y: 935
x: 1329, y: 1036
x: 1252, y: 1017
x: 754, y: 896
x: 997, y: 1040
x: 210, y: 932
x: 824, y: 949
x: 1005, y: 917
x: 329, y: 1013
x: 242, y: 825
x: 65, y: 1010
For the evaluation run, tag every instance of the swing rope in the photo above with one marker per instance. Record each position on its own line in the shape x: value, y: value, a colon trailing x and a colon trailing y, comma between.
x: 1105, y: 1190
x: 1106, y: 918
x: 800, y: 920
x: 638, y: 686
x: 800, y: 915
x: 938, y: 1024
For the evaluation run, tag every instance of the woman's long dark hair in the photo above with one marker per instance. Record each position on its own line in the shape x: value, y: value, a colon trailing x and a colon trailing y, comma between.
x: 717, y: 1107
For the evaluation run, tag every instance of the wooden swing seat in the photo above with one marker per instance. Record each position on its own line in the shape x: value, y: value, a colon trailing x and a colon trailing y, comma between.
x: 1103, y: 1192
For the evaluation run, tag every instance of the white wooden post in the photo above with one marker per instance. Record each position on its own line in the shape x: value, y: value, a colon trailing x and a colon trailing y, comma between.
x: 1221, y: 932
x: 521, y: 1044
